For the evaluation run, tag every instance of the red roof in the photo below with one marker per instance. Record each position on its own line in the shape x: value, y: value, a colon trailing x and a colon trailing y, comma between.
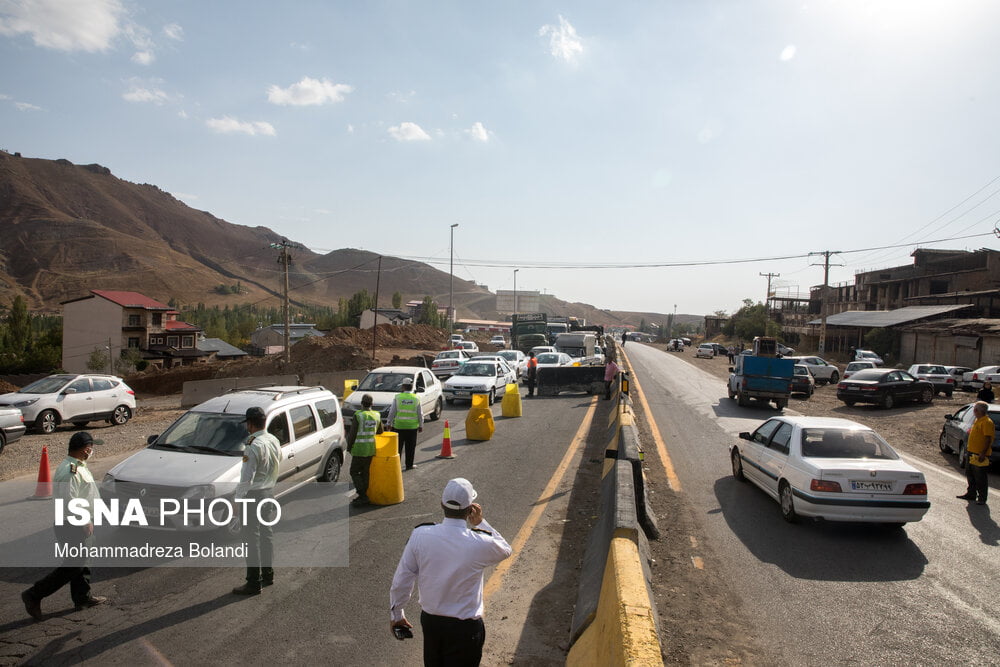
x: 130, y: 299
x: 177, y: 325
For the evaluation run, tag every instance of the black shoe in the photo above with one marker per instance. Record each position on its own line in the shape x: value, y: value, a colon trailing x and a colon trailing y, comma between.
x: 247, y: 589
x: 266, y: 582
x: 966, y: 497
x: 360, y: 502
x: 92, y: 601
x: 411, y: 467
x: 32, y: 605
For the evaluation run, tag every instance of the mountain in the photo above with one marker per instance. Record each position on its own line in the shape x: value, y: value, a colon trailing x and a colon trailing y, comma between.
x: 66, y: 229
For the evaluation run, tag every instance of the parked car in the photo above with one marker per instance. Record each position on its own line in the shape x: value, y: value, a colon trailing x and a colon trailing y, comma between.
x: 868, y: 355
x: 384, y: 383
x: 486, y: 376
x: 885, y: 387
x: 540, y: 349
x: 516, y: 360
x: 201, y: 454
x: 937, y: 375
x: 972, y: 380
x: 958, y: 372
x: 955, y: 432
x: 675, y: 345
x: 79, y: 399
x: 856, y: 366
x: 785, y: 351
x: 449, y: 361
x: 831, y: 469
x: 11, y: 426
x: 499, y: 341
x: 705, y: 350
x: 821, y: 369
x: 802, y: 381
x: 455, y: 339
x: 553, y: 359
x: 721, y: 349
x: 469, y: 346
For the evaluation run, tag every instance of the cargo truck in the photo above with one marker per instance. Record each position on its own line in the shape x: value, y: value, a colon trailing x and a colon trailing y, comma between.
x: 761, y: 376
x: 528, y: 330
x: 580, y: 345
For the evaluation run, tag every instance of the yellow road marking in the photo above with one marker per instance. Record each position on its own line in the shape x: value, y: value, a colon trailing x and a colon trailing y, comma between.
x: 536, y: 513
x: 661, y: 448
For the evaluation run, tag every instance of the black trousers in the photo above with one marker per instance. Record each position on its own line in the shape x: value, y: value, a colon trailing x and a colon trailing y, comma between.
x: 260, y: 540
x: 360, y: 473
x: 531, y: 385
x: 407, y: 443
x: 976, y: 476
x: 73, y: 571
x: 452, y: 642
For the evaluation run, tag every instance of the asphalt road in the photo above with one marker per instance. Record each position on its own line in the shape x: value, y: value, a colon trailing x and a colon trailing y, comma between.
x: 536, y: 481
x: 826, y: 593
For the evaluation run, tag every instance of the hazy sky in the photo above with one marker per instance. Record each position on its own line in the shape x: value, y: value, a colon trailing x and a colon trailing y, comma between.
x: 554, y: 133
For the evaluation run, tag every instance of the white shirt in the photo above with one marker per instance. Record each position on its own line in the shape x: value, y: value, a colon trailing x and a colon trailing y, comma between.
x: 261, y: 459
x: 446, y: 561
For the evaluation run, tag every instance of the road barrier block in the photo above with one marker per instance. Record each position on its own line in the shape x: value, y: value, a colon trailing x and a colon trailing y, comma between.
x: 385, y: 485
x: 479, y: 422
x: 510, y: 406
x: 587, y: 379
x: 198, y: 391
x: 631, y: 451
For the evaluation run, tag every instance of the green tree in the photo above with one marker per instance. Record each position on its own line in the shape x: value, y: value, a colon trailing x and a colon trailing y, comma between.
x: 97, y: 362
x: 749, y: 321
x: 397, y: 299
x: 18, y: 327
x: 429, y: 313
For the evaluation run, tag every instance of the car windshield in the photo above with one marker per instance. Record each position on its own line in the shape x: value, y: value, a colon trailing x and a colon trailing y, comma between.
x: 384, y: 382
x: 453, y: 354
x: 47, y: 385
x: 840, y: 443
x: 868, y: 355
x: 509, y: 356
x: 868, y: 374
x: 477, y: 370
x: 210, y: 432
x: 801, y: 370
x: 548, y: 358
x: 858, y: 365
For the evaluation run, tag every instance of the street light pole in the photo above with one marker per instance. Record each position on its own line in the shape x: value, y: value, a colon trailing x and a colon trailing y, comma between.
x: 451, y: 282
x: 515, y: 289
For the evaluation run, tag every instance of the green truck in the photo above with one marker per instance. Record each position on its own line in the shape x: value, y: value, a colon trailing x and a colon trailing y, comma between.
x: 528, y: 330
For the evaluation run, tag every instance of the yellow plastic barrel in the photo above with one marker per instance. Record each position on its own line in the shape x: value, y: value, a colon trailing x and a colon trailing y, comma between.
x: 510, y: 406
x: 349, y: 387
x: 385, y: 484
x: 479, y: 422
x: 480, y: 401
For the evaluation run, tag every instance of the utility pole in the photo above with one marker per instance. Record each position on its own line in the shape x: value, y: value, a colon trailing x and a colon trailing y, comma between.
x: 378, y: 279
x: 515, y: 289
x: 767, y: 299
x: 451, y: 283
x: 826, y: 283
x: 285, y: 259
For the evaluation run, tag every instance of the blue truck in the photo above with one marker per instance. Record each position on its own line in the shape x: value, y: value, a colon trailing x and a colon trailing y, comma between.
x: 761, y: 378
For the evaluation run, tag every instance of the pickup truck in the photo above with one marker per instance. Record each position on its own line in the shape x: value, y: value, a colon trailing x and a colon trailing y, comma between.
x: 11, y: 426
x: 761, y: 378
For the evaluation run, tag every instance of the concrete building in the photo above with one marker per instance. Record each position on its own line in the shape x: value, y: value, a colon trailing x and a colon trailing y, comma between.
x: 271, y: 339
x: 385, y: 316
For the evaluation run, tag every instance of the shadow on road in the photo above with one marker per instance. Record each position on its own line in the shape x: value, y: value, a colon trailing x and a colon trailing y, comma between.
x: 979, y: 517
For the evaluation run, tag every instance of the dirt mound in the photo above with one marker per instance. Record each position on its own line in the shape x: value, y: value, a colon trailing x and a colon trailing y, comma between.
x: 7, y: 387
x: 414, y: 336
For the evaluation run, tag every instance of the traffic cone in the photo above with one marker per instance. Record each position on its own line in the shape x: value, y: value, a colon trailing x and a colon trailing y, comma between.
x: 43, y: 490
x: 446, y: 443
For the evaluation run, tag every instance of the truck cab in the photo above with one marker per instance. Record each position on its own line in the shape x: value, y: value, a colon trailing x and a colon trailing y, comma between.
x: 581, y: 346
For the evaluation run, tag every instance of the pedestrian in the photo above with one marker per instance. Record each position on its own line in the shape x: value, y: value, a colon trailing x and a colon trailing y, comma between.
x: 731, y: 351
x: 610, y: 373
x: 986, y: 393
x: 446, y: 561
x: 361, y: 447
x: 532, y: 374
x: 258, y: 476
x: 979, y: 447
x: 406, y: 418
x: 71, y: 480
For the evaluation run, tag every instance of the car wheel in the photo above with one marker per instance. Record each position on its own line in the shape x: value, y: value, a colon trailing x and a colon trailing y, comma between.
x: 331, y: 471
x: 849, y: 402
x: 121, y: 415
x: 438, y: 407
x: 926, y: 396
x: 948, y: 394
x: 47, y: 421
x: 732, y: 394
x: 742, y: 400
x: 888, y: 401
x: 3, y: 442
x: 738, y: 466
x: 943, y: 443
x: 493, y: 396
x: 963, y: 456
x: 787, y: 503
x: 834, y: 377
x: 781, y: 403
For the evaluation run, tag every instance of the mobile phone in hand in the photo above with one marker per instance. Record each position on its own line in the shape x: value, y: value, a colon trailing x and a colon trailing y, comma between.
x: 402, y: 632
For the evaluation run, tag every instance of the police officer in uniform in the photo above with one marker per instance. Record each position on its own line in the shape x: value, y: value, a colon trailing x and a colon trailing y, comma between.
x: 405, y: 418
x: 446, y: 561
x: 532, y: 374
x: 72, y: 479
x: 361, y: 447
x: 257, y: 479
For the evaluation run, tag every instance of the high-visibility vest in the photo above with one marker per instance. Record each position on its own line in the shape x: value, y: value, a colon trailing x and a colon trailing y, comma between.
x: 367, y: 425
x: 407, y: 411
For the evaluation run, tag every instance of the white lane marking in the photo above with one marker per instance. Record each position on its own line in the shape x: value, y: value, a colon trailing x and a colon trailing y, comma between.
x: 978, y: 614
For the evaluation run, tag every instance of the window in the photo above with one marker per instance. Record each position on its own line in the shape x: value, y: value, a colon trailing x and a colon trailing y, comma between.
x: 157, y: 319
x: 133, y: 342
x: 134, y: 321
x: 327, y: 412
x: 171, y: 341
x: 187, y: 341
x: 903, y: 375
x: 780, y: 440
x: 303, y: 421
x: 893, y: 377
x: 279, y: 428
x: 80, y: 386
x: 762, y: 434
x: 156, y: 340
x: 102, y: 385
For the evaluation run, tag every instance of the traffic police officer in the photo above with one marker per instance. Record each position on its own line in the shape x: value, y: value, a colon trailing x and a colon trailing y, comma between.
x: 257, y: 479
x: 361, y: 447
x: 446, y: 560
x: 405, y: 418
x: 72, y: 479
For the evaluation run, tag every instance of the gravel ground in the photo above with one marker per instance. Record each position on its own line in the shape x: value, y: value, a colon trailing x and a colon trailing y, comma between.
x: 153, y: 415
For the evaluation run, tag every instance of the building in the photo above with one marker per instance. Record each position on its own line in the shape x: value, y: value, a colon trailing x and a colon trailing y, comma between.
x: 220, y: 349
x: 385, y: 316
x: 522, y: 301
x: 271, y: 339
x: 108, y: 320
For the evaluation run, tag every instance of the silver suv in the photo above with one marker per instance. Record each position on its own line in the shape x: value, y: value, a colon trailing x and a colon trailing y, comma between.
x: 201, y: 454
x: 79, y: 399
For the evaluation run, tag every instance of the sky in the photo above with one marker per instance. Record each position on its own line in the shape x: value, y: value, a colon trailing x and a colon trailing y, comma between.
x: 620, y: 154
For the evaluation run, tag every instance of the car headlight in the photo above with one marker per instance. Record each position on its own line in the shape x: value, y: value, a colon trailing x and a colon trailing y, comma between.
x: 199, y: 491
x: 25, y: 403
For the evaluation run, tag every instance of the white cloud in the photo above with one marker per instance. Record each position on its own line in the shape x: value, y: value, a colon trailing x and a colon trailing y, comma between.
x: 229, y: 125
x: 4, y: 97
x: 81, y: 25
x: 182, y: 114
x: 24, y: 106
x: 143, y: 57
x: 174, y: 31
x: 308, y: 92
x: 564, y: 43
x: 788, y: 52
x: 407, y: 131
x: 350, y: 129
x: 479, y: 133
x: 142, y: 92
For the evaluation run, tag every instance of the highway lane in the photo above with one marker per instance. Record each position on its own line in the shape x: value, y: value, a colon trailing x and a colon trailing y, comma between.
x: 535, y: 479
x: 821, y: 593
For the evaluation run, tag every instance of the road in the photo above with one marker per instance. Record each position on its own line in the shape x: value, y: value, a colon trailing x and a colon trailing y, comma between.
x: 824, y: 593
x: 536, y: 481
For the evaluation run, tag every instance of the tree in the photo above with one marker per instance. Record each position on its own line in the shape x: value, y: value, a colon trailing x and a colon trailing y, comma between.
x: 18, y: 327
x: 429, y: 313
x: 98, y: 361
x: 397, y: 299
x: 749, y: 321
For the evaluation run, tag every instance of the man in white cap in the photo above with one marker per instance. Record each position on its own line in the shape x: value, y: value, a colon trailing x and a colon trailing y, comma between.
x: 446, y: 560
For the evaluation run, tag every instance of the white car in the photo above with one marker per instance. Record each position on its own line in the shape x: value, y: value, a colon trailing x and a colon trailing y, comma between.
x: 499, y: 341
x: 832, y: 469
x: 516, y: 360
x: 540, y: 349
x: 553, y: 359
x: 78, y: 399
x: 856, y: 366
x: 384, y: 383
x: 785, y: 351
x: 449, y: 361
x: 868, y: 355
x: 937, y: 375
x: 822, y: 370
x: 487, y: 376
x: 495, y: 357
x: 469, y: 346
x: 972, y: 380
x: 958, y: 372
x: 705, y: 350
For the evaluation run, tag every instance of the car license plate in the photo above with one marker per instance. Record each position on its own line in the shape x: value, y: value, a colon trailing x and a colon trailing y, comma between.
x: 866, y: 485
x: 461, y: 393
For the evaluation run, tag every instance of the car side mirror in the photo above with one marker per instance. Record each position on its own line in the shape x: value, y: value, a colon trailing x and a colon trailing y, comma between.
x: 745, y: 435
x: 152, y: 438
x: 420, y: 390
x: 949, y: 417
x: 68, y: 390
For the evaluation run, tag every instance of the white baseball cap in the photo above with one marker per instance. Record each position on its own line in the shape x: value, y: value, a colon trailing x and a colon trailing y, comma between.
x: 458, y: 494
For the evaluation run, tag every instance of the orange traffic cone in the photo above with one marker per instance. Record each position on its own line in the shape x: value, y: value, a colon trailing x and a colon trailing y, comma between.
x: 43, y: 489
x: 446, y: 443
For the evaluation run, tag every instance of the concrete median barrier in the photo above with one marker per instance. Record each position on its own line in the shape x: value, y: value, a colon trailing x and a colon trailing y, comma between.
x: 586, y: 379
x: 631, y: 451
x: 197, y: 391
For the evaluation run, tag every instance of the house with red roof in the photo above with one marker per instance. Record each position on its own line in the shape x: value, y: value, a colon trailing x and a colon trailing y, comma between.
x: 122, y: 320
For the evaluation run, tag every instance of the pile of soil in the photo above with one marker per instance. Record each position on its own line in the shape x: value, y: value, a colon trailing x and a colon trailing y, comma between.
x: 414, y: 336
x: 7, y: 387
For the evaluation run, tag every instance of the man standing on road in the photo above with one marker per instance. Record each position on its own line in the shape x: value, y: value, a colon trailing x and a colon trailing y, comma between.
x: 986, y: 393
x: 446, y: 561
x: 72, y: 479
x: 610, y: 372
x: 361, y: 447
x: 406, y: 418
x: 979, y: 447
x: 257, y: 479
x: 532, y: 374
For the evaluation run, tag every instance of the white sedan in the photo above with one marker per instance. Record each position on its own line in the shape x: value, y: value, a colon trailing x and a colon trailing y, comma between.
x: 553, y: 360
x: 516, y: 360
x: 832, y: 469
x: 489, y: 377
x: 706, y: 350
